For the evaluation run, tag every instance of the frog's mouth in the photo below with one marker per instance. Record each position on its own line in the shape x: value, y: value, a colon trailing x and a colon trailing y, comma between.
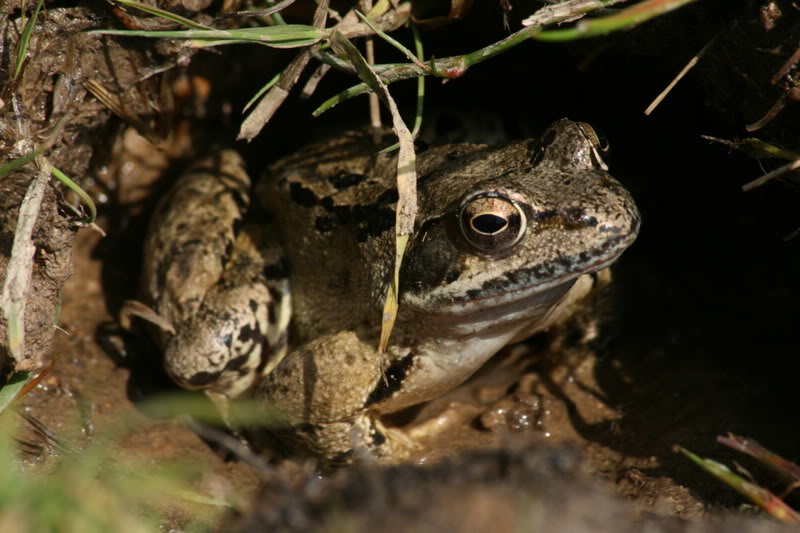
x: 504, y: 303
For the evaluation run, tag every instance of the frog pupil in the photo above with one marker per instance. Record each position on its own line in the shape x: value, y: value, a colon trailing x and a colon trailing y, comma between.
x: 488, y: 223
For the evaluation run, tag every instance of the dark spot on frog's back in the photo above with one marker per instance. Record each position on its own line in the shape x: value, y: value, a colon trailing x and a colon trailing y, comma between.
x: 344, y: 180
x: 249, y: 333
x: 240, y: 198
x: 372, y: 220
x: 389, y: 196
x: 201, y: 379
x: 237, y: 362
x: 302, y: 195
x: 324, y: 223
x: 378, y: 438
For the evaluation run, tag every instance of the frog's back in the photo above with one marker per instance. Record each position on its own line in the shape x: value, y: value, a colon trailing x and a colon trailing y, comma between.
x: 335, y: 204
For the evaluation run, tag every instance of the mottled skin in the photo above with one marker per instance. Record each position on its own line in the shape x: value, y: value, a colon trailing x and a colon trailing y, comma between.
x: 205, y: 272
x: 505, y: 243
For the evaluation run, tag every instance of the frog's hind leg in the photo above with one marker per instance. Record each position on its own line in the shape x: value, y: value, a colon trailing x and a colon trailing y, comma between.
x: 217, y: 276
x: 240, y: 330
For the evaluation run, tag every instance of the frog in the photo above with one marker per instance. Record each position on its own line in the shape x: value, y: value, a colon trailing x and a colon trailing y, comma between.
x: 275, y: 290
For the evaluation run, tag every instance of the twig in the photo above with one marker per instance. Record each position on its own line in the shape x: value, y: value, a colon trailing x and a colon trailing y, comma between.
x: 257, y: 119
x: 314, y: 79
x: 787, y: 66
x: 794, y: 165
x: 566, y: 11
x: 260, y: 12
x: 456, y: 66
x: 773, y: 112
x: 689, y: 66
x: 20, y: 267
x: 374, y: 103
x: 232, y: 444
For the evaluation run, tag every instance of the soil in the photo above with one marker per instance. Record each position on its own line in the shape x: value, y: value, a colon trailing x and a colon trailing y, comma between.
x: 697, y: 335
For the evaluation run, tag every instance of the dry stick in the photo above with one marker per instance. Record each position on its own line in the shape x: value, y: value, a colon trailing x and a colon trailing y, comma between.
x: 773, y: 112
x: 787, y: 66
x: 374, y: 104
x: 351, y: 28
x: 263, y: 112
x: 260, y: 12
x: 456, y: 66
x: 780, y: 103
x: 115, y: 104
x: 792, y: 235
x: 314, y: 79
x: 20, y: 267
x: 267, y: 107
x: 794, y: 165
x: 566, y: 11
x: 233, y: 445
x: 689, y: 66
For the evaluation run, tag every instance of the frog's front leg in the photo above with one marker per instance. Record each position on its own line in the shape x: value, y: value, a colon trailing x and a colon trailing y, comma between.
x: 320, y: 395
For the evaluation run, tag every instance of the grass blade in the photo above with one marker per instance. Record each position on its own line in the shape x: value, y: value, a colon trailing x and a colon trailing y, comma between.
x: 10, y: 390
x: 63, y: 178
x: 262, y: 90
x: 25, y: 39
x: 758, y: 495
x: 287, y: 36
x: 406, y: 210
x: 405, y: 51
x: 627, y: 18
x: 762, y: 454
x: 18, y: 162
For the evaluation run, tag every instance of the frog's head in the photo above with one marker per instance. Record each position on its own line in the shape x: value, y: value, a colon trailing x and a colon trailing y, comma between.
x: 506, y: 232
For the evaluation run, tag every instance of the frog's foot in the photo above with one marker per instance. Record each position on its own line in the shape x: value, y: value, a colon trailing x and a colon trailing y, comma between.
x: 362, y: 439
x: 373, y: 441
x: 135, y: 308
x: 222, y: 403
x: 454, y: 415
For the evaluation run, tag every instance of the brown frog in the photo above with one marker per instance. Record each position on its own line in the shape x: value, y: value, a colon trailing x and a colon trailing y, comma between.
x: 505, y: 243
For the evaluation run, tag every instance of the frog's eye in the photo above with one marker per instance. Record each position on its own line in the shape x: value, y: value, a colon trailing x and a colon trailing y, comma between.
x: 492, y: 222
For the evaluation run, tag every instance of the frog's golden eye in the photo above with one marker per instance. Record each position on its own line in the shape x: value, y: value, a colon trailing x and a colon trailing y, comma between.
x: 492, y: 222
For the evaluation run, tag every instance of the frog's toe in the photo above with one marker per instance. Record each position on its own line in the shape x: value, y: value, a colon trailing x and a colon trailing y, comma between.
x: 374, y: 442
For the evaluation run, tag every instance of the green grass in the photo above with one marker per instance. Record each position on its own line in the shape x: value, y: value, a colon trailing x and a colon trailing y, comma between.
x: 93, y: 485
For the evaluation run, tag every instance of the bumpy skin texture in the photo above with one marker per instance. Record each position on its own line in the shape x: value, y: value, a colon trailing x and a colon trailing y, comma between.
x: 207, y: 272
x: 506, y: 240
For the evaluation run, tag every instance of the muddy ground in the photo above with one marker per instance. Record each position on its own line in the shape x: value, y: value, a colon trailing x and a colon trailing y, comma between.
x: 697, y: 333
